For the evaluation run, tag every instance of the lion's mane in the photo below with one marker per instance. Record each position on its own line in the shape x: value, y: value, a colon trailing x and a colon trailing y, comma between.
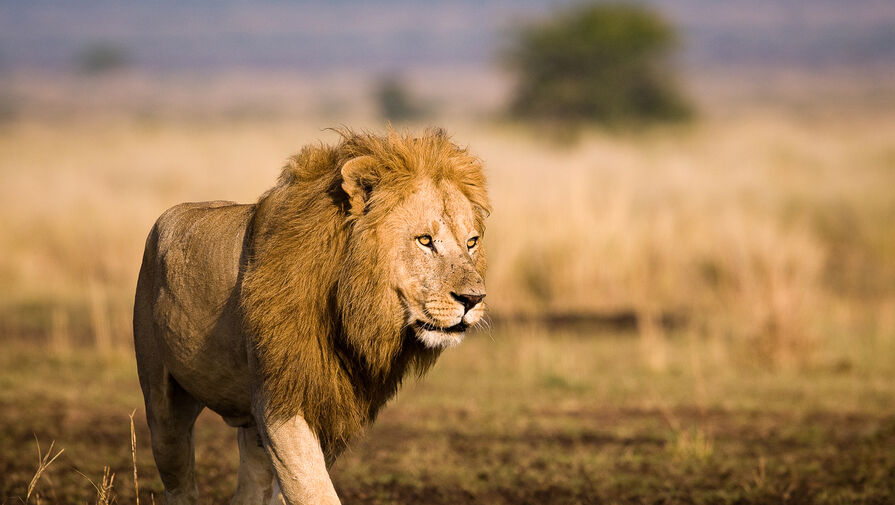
x: 329, y: 339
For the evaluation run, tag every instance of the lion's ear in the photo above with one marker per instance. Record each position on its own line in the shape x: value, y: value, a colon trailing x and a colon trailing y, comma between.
x: 359, y: 175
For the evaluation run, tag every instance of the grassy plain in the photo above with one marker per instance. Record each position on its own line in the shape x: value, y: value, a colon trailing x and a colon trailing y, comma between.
x: 768, y: 229
x: 515, y: 416
x: 700, y: 314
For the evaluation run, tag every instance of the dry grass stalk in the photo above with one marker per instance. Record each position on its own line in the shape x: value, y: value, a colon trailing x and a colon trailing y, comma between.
x: 104, y: 490
x: 43, y: 462
x: 134, y: 454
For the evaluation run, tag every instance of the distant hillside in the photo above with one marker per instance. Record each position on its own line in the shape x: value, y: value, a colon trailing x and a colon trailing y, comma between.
x: 169, y: 35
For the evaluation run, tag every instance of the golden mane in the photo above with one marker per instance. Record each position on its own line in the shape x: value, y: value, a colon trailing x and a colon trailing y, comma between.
x: 329, y: 339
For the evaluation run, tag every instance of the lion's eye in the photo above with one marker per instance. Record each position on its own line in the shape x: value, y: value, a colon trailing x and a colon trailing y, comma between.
x: 425, y: 240
x: 472, y: 242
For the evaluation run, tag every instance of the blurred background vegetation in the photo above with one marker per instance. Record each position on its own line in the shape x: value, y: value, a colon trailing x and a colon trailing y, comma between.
x: 707, y: 302
x: 763, y: 222
x: 596, y: 62
x: 101, y: 57
x: 395, y: 103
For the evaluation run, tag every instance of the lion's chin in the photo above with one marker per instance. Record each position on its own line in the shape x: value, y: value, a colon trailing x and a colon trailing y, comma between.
x: 435, y: 337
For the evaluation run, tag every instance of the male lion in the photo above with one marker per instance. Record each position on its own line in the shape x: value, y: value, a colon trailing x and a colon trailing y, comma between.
x: 296, y: 318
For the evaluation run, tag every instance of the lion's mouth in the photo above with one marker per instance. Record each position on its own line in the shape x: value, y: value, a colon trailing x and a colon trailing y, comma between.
x: 460, y: 327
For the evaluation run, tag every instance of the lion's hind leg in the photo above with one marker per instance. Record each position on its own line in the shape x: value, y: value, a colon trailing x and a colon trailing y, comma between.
x: 171, y: 413
x: 254, y: 485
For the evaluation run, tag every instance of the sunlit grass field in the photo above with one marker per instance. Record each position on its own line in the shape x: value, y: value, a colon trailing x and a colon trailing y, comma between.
x: 702, y: 313
x: 769, y: 229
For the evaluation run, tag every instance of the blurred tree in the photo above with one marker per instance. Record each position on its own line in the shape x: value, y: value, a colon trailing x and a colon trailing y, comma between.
x: 395, y: 102
x: 102, y: 57
x: 596, y: 62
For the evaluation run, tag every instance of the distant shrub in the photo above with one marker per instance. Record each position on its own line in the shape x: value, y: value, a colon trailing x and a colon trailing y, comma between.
x: 8, y: 108
x: 595, y: 63
x: 101, y: 57
x: 395, y: 102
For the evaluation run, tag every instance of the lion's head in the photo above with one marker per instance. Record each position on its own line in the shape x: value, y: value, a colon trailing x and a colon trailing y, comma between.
x: 367, y: 260
x: 427, y: 234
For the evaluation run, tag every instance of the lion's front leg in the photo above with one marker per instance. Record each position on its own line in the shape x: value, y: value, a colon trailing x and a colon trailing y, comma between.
x: 298, y: 462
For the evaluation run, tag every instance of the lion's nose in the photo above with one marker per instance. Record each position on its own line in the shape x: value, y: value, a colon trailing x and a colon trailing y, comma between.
x: 468, y: 300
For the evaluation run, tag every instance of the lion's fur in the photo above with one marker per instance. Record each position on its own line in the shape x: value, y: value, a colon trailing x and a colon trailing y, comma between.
x: 330, y: 343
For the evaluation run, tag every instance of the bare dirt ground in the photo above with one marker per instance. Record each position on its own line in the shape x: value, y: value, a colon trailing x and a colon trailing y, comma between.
x: 501, y: 420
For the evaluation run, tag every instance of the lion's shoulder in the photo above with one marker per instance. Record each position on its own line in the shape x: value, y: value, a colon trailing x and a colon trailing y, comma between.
x: 198, y: 248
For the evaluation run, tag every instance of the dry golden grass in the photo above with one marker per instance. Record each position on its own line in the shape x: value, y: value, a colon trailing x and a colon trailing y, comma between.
x: 768, y: 229
x: 43, y: 463
x: 104, y: 490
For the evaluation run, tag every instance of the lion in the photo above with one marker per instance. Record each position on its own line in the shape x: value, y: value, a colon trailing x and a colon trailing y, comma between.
x: 297, y: 317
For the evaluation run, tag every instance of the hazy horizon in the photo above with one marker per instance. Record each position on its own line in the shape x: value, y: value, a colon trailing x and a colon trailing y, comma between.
x: 399, y: 35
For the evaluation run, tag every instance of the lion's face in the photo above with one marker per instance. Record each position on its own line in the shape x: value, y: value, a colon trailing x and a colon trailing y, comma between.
x: 437, y: 262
